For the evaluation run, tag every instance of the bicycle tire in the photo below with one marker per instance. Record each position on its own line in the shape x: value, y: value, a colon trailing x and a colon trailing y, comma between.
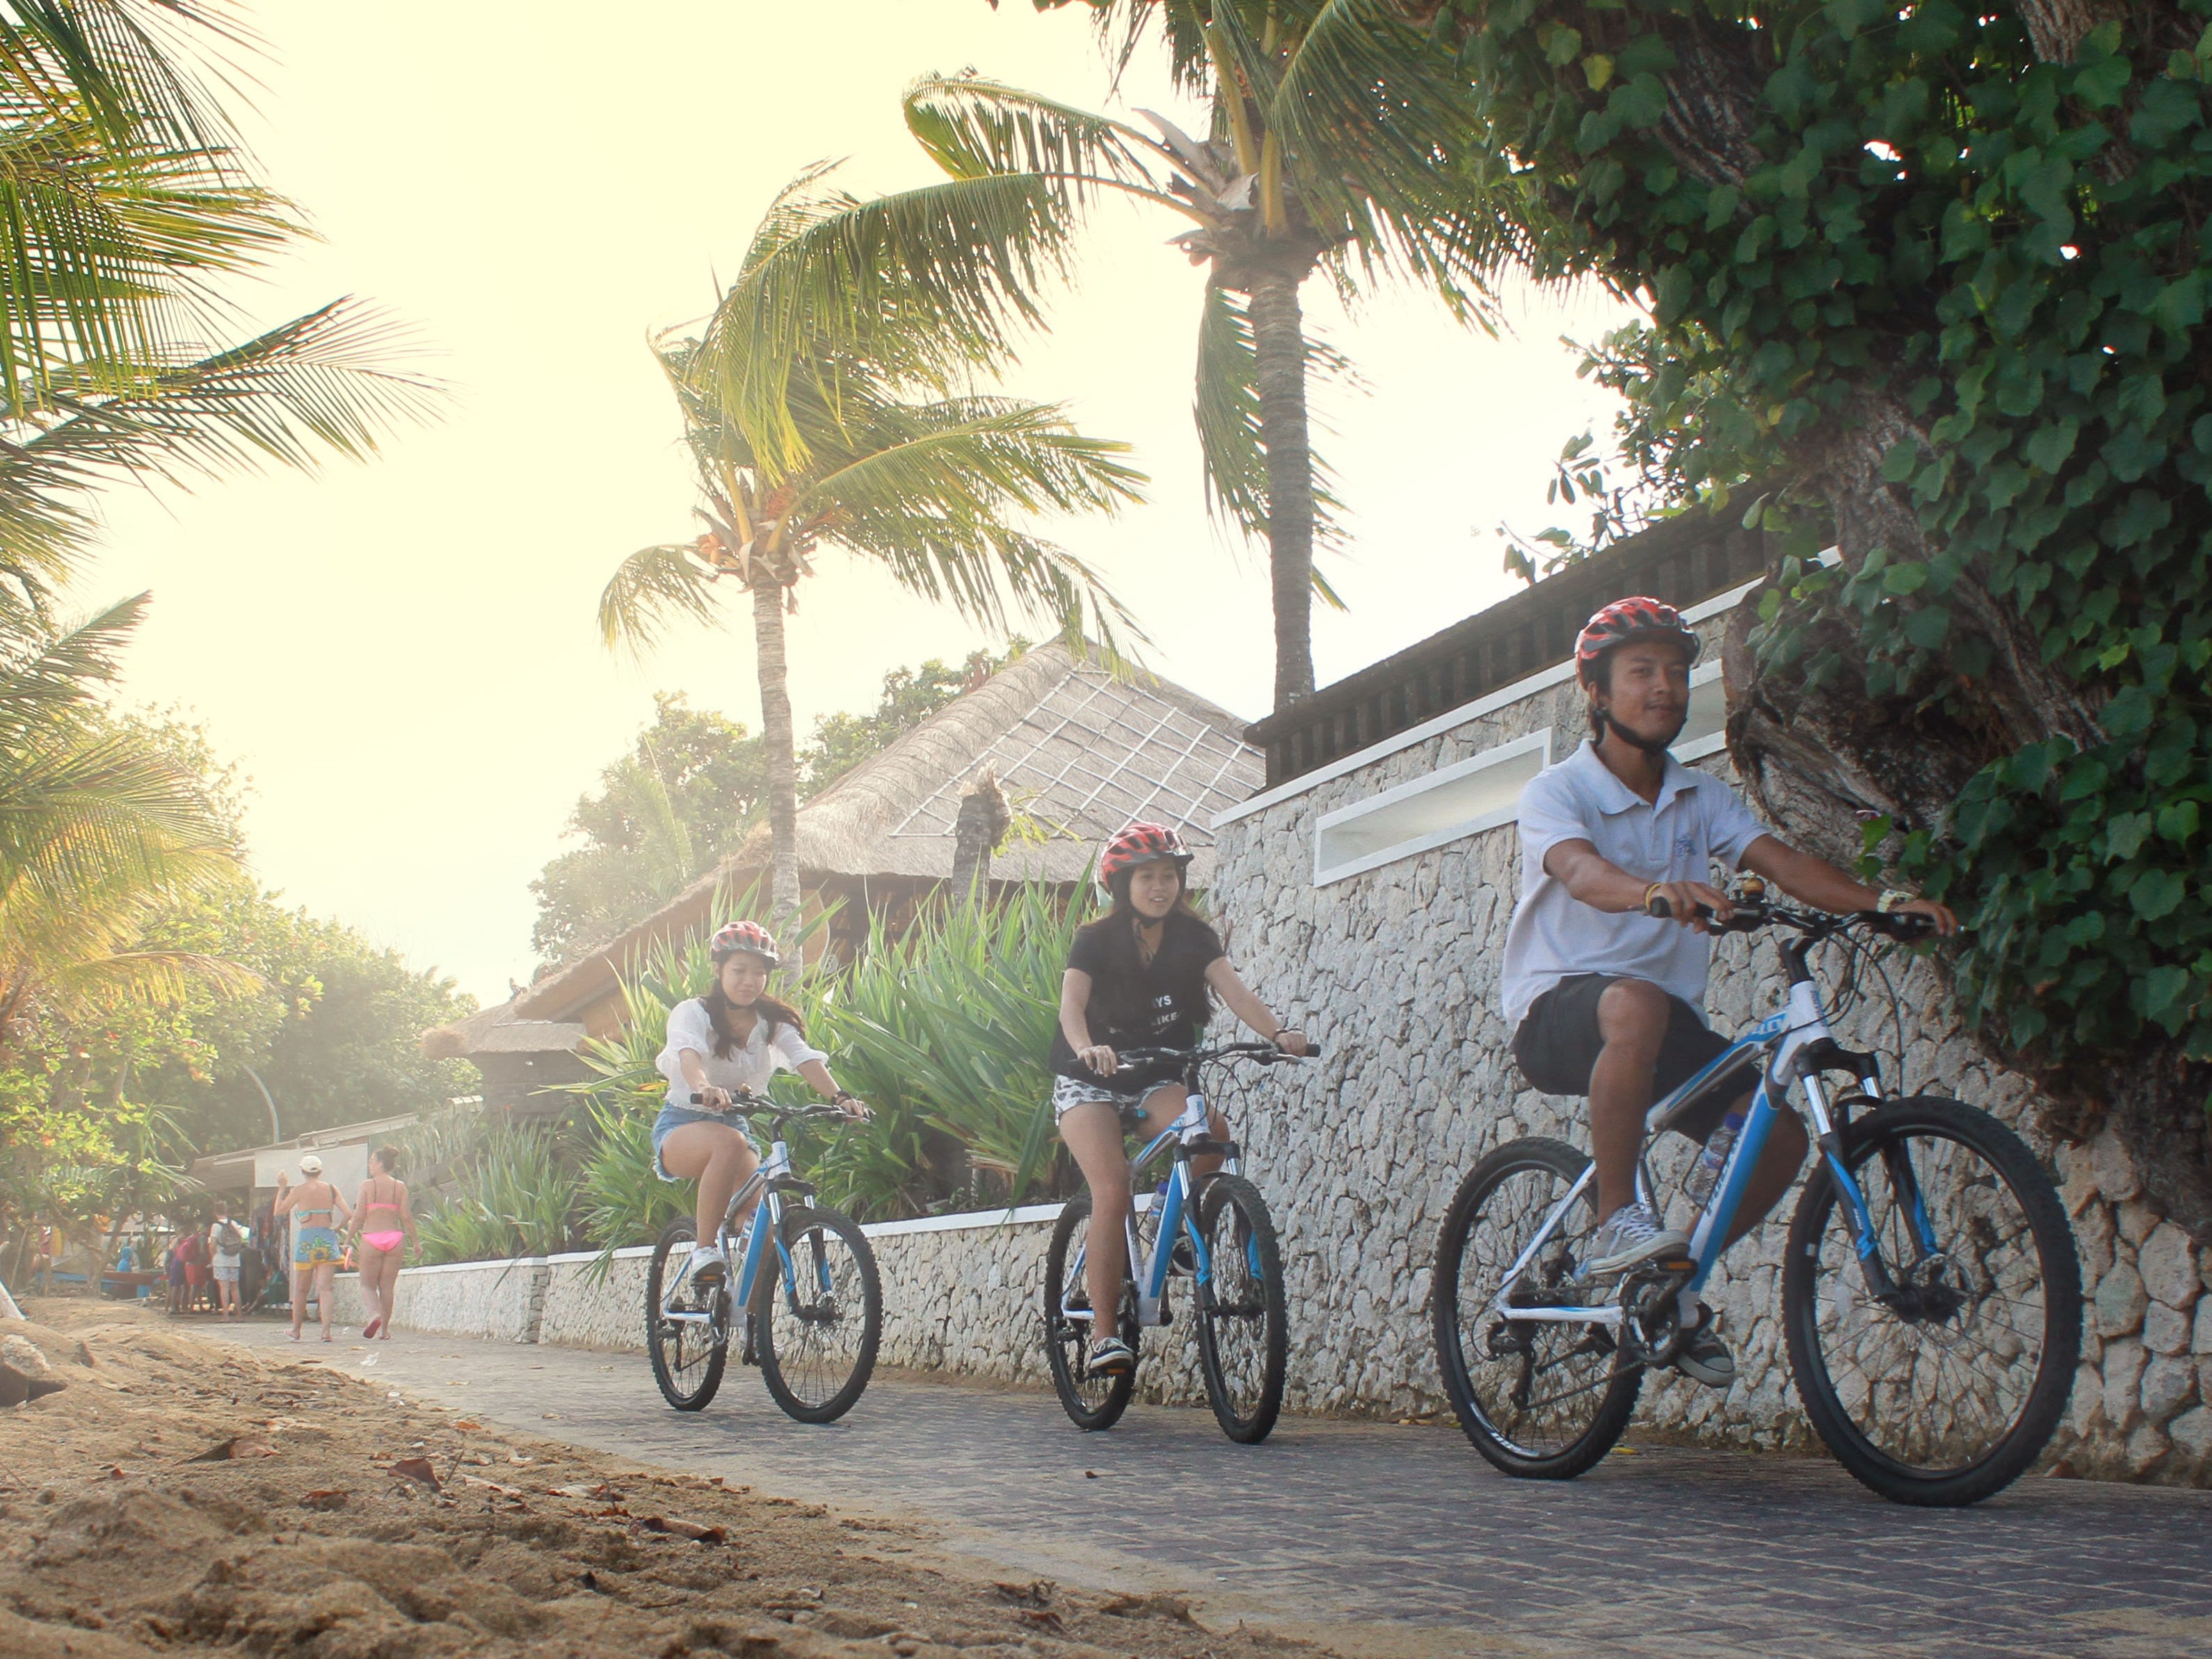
x: 1599, y: 1408
x: 1258, y: 1261
x: 1991, y: 1284
x: 786, y: 1317
x: 664, y: 1338
x: 1091, y: 1405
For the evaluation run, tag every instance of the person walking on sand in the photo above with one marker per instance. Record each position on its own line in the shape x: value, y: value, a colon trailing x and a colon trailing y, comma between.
x: 383, y: 1226
x: 322, y: 1212
x: 178, y: 1283
x: 227, y: 1249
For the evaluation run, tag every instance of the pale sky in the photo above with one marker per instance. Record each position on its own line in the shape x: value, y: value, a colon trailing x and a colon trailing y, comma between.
x: 402, y: 655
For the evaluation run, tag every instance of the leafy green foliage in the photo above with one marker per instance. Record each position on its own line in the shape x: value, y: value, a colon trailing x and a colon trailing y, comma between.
x: 684, y: 795
x: 1915, y: 210
x: 510, y: 1194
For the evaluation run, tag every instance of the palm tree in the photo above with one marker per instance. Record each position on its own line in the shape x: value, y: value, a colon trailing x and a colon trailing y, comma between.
x: 100, y: 829
x: 897, y: 462
x: 1334, y: 146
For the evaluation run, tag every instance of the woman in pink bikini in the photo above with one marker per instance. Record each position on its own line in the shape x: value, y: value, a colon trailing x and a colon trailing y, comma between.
x: 384, y: 1223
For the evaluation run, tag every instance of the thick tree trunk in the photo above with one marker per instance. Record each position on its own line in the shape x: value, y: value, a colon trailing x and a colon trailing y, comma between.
x: 1279, y: 347
x: 782, y: 766
x: 1816, y: 760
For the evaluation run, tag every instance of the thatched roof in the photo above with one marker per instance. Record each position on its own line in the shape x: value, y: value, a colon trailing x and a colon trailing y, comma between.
x: 1078, y: 753
x: 497, y: 1031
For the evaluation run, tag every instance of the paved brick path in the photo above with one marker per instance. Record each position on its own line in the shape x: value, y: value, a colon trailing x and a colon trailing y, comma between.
x: 1666, y: 1551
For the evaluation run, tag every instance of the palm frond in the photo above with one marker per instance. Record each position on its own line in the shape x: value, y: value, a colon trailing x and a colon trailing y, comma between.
x: 162, y: 978
x: 930, y: 284
x: 650, y: 591
x: 42, y: 673
x: 319, y: 381
x: 974, y: 129
x: 1380, y: 129
x: 1226, y: 409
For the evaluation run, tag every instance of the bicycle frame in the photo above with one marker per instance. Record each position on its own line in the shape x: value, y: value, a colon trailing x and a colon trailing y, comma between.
x: 1796, y: 1045
x: 1178, y: 1209
x: 769, y: 1181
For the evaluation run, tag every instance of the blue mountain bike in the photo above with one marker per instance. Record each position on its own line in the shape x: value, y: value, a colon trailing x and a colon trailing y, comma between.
x: 1213, y: 1229
x: 807, y: 1308
x: 1931, y: 1297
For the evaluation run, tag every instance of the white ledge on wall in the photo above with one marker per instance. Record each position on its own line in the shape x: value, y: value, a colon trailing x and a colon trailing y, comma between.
x: 1706, y: 732
x: 1463, y: 798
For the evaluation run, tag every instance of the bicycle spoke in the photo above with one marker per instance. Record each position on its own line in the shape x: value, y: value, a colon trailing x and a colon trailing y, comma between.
x: 1937, y: 1383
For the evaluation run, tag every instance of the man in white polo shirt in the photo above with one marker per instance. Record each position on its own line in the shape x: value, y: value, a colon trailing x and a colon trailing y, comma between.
x: 1605, y: 997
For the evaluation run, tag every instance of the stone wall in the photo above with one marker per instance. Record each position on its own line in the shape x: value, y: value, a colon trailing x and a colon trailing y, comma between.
x: 1396, y: 973
x: 491, y: 1301
x: 962, y: 1296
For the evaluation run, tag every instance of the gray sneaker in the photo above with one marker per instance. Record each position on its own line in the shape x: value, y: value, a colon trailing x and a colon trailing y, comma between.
x: 1631, y: 1236
x: 1704, y: 1357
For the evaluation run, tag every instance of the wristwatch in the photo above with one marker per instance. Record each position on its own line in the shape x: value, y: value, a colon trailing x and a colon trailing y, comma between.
x: 1892, y: 897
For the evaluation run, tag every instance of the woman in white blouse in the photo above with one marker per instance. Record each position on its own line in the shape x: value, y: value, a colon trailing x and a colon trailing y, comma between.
x: 734, y: 1039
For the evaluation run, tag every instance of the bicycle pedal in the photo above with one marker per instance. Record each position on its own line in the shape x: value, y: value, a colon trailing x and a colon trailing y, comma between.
x: 1682, y: 1265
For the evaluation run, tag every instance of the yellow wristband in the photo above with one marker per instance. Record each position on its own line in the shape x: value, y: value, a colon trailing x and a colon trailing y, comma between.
x: 1648, y: 892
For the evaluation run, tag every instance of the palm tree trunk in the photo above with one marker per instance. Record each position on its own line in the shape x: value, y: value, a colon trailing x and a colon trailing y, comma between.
x: 782, y: 766
x: 1279, y: 347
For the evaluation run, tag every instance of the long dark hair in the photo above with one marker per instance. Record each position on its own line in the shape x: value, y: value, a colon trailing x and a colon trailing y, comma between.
x: 764, y: 1006
x: 1114, y: 994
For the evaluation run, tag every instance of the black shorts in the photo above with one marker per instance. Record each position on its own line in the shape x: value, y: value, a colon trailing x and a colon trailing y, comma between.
x: 1559, y: 1042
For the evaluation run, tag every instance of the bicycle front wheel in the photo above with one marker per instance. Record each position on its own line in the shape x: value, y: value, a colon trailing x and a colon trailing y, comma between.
x: 1092, y: 1402
x: 1243, y: 1323
x: 1539, y: 1400
x: 817, y: 1315
x: 1943, y: 1392
x: 687, y: 1330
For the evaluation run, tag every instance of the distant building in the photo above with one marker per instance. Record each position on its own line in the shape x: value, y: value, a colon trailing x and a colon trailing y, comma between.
x: 248, y: 1175
x: 1076, y: 753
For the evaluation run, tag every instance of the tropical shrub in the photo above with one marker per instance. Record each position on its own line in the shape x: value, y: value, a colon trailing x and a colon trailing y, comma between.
x: 513, y: 1194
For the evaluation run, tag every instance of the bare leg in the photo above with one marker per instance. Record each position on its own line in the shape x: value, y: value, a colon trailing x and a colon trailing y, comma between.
x: 385, y: 1265
x: 326, y: 1275
x: 300, y: 1277
x: 1631, y: 1018
x: 720, y: 1159
x: 1092, y: 1131
x: 1093, y: 1134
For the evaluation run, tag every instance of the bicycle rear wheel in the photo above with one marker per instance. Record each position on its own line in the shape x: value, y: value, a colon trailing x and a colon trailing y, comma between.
x: 1092, y: 1402
x: 1538, y: 1400
x: 1244, y: 1322
x: 688, y: 1355
x: 818, y: 1322
x: 1944, y: 1394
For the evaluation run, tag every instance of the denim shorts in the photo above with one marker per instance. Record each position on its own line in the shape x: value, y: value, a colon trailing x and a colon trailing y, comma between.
x: 1068, y: 1093
x: 675, y: 1117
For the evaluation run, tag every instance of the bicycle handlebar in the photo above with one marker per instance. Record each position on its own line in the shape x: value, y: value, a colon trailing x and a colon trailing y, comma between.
x: 744, y: 1103
x: 1265, y: 1053
x: 1751, y: 914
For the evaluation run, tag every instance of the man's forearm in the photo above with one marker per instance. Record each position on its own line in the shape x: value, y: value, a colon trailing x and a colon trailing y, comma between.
x: 1814, y: 881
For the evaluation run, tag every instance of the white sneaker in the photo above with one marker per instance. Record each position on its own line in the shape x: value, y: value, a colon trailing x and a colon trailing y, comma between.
x: 1632, y: 1236
x: 707, y: 1263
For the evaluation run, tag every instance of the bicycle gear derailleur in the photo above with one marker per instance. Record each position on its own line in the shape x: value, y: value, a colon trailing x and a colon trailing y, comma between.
x: 1652, y: 1332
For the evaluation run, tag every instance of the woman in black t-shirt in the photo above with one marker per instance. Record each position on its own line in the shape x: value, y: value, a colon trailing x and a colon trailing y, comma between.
x: 1137, y: 978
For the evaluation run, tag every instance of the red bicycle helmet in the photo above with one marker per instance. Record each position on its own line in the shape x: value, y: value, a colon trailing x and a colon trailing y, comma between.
x: 747, y: 936
x: 1624, y: 620
x: 1139, y: 843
